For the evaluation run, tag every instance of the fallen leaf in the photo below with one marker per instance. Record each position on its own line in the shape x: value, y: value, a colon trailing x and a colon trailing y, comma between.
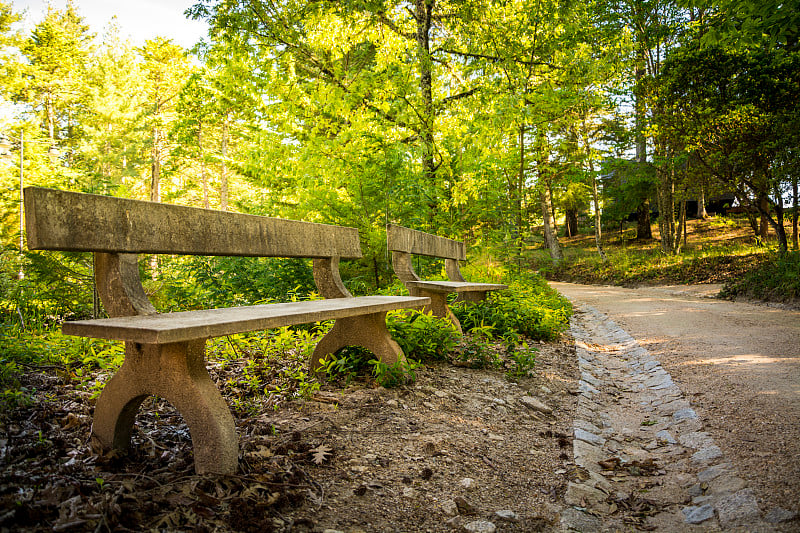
x: 321, y: 453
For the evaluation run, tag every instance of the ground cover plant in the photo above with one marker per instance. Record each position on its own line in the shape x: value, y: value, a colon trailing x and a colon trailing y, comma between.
x: 719, y: 250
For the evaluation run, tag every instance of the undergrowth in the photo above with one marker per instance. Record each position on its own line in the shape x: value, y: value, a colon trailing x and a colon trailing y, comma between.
x: 528, y: 307
x: 270, y: 367
x: 776, y: 279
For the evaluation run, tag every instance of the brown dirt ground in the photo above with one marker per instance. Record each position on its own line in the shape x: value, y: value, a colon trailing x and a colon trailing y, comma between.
x: 358, y: 459
x: 737, y: 363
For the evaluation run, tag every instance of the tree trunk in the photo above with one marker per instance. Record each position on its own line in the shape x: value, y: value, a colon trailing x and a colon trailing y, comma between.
x: 643, y: 229
x: 423, y: 11
x: 203, y: 172
x: 552, y: 207
x: 549, y: 236
x: 570, y: 222
x: 780, y: 229
x: 51, y: 121
x: 795, y: 243
x: 683, y: 221
x: 670, y: 231
x: 598, y: 231
x: 763, y: 208
x: 701, y: 203
x: 223, y: 186
x: 643, y: 222
x: 519, y: 189
x: 777, y: 221
x: 745, y: 202
x: 155, y: 167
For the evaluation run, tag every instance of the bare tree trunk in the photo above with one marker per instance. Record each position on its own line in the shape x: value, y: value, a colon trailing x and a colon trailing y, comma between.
x: 155, y: 167
x: 683, y: 221
x: 670, y: 231
x: 549, y: 236
x: 570, y: 222
x: 763, y: 207
x: 701, y: 203
x: 598, y: 236
x: 598, y: 231
x: 519, y: 191
x: 745, y: 202
x: 795, y: 243
x: 155, y: 188
x: 552, y: 207
x: 643, y: 223
x: 51, y: 121
x: 423, y: 15
x: 203, y: 171
x: 223, y: 187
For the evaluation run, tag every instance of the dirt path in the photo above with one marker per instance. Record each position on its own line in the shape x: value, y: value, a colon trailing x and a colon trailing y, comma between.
x: 738, y: 364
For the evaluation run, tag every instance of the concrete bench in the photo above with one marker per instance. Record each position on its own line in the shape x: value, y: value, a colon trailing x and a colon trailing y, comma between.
x: 405, y: 242
x: 165, y: 353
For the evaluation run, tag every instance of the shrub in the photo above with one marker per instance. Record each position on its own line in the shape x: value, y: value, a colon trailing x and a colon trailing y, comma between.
x: 422, y: 336
x: 528, y: 307
x: 777, y: 279
x: 353, y: 361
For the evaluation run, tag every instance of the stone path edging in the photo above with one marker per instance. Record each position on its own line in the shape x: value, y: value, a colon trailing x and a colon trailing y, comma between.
x: 643, y: 458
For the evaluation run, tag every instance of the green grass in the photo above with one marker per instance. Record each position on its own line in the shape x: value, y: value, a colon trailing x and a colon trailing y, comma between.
x: 718, y: 250
x: 649, y: 266
x: 777, y: 279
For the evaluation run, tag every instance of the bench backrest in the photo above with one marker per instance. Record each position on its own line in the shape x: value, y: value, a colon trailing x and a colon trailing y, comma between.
x: 411, y: 241
x: 403, y: 242
x: 70, y: 221
x: 116, y: 229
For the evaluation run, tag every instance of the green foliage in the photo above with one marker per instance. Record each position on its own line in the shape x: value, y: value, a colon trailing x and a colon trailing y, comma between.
x: 422, y: 336
x: 207, y: 282
x: 76, y: 359
x: 479, y: 351
x: 275, y: 364
x: 56, y: 285
x: 633, y: 265
x: 353, y: 361
x: 394, y: 375
x: 777, y: 279
x: 626, y: 185
x: 523, y: 361
x: 528, y: 307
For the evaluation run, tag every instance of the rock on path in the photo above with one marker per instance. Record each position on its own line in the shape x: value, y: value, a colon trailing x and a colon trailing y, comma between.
x: 640, y: 449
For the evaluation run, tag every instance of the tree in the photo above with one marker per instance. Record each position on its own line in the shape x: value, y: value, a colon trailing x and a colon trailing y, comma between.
x: 165, y: 67
x: 111, y: 140
x: 737, y: 112
x: 340, y: 72
x: 57, y: 52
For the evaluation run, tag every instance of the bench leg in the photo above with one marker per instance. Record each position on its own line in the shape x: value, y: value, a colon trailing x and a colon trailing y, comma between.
x: 438, y: 306
x: 369, y: 331
x: 177, y: 373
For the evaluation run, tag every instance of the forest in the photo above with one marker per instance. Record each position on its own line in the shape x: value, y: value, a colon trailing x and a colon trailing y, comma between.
x: 591, y: 141
x: 511, y: 125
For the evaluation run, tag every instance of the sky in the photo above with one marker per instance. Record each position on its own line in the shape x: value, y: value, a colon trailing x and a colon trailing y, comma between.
x: 138, y: 19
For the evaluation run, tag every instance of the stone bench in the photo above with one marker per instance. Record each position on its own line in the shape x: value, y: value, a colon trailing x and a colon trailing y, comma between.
x: 405, y: 242
x: 165, y: 353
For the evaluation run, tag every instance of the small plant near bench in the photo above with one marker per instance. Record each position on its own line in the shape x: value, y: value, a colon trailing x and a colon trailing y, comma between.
x: 422, y: 337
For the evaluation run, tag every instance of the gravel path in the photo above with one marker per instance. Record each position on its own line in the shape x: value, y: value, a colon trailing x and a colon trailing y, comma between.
x: 688, y: 415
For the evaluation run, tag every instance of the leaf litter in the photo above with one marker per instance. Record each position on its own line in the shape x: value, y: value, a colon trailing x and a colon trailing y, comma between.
x: 355, y: 459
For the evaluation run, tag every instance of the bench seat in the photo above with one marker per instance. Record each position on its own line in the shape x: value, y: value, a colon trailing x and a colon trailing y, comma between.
x: 455, y: 286
x: 405, y: 242
x: 206, y: 323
